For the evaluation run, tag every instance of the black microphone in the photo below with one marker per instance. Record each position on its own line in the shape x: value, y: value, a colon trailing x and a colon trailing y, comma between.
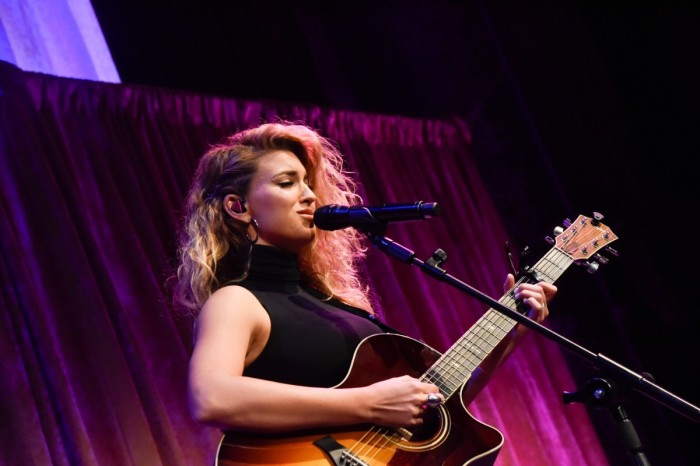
x: 336, y: 217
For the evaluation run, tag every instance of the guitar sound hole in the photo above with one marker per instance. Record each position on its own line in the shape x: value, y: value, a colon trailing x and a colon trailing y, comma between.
x: 431, y: 427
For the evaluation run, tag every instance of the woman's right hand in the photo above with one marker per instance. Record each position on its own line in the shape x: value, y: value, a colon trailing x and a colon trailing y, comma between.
x: 399, y: 401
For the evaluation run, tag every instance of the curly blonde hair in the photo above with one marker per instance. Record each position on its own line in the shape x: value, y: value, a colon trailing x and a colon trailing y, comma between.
x: 208, y: 234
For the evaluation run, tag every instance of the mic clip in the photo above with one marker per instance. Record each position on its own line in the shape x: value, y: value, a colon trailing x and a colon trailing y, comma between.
x: 437, y: 259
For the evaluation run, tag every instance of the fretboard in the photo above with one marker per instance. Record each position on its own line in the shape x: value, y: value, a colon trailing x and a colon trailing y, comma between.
x: 456, y: 365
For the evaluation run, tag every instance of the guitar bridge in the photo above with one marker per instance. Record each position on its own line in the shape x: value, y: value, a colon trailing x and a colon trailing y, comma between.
x: 337, y: 453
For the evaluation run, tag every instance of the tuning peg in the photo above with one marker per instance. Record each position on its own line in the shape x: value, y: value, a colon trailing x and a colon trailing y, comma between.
x: 559, y: 230
x: 597, y: 217
x: 610, y: 250
x: 601, y: 259
x: 592, y: 267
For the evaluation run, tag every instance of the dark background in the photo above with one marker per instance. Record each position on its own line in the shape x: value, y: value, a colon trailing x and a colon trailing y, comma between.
x: 574, y: 107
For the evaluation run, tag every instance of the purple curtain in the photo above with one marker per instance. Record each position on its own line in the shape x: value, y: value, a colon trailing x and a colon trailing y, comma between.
x: 93, y: 360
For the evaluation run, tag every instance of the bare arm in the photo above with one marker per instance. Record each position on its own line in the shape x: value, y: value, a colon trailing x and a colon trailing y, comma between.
x: 231, y: 331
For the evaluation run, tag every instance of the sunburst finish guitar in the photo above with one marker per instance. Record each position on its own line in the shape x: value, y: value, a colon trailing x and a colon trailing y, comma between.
x: 449, y: 435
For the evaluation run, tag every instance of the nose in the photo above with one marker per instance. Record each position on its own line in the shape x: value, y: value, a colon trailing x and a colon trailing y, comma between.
x: 308, y: 196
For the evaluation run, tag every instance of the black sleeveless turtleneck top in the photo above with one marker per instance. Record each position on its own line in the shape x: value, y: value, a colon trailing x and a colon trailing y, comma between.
x: 312, y: 341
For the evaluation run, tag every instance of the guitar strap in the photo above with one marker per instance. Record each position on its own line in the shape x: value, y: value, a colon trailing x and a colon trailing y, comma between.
x: 353, y: 310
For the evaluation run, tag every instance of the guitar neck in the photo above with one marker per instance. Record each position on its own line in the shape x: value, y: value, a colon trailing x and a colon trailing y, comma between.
x: 581, y: 240
x: 457, y: 364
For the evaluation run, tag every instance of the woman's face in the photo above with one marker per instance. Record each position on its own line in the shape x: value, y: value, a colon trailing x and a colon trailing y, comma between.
x: 282, y: 202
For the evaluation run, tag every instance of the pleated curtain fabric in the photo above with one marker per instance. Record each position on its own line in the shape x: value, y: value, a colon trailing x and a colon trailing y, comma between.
x: 94, y: 360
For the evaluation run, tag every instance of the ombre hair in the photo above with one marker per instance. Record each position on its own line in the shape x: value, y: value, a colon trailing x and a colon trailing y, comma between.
x: 208, y: 234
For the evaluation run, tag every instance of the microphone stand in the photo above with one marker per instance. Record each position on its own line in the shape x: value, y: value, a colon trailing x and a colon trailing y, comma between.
x: 606, y: 391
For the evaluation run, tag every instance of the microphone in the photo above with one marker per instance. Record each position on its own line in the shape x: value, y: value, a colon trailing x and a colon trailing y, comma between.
x: 336, y: 217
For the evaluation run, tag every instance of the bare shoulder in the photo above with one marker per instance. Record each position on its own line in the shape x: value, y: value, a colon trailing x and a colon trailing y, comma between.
x: 232, y: 294
x: 232, y: 304
x: 230, y: 331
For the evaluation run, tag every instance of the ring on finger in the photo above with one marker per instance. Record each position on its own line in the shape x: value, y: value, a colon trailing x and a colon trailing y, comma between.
x: 433, y: 400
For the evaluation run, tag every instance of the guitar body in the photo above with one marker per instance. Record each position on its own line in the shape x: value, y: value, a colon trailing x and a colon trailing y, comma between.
x: 449, y: 435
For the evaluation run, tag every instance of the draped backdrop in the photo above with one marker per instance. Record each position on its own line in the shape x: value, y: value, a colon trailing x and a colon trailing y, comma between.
x: 93, y: 359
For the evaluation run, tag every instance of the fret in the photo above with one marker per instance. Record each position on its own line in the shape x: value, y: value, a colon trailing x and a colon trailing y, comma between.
x: 581, y: 240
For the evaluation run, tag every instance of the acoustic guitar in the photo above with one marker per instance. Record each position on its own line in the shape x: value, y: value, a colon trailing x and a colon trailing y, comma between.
x: 450, y: 435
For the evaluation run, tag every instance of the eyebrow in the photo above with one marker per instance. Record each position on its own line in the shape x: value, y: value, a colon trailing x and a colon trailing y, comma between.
x: 289, y: 173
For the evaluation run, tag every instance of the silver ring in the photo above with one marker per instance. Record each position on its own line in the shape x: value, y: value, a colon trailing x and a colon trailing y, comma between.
x: 433, y: 400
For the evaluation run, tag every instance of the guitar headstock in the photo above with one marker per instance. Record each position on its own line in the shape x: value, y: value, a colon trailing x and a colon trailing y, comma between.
x: 585, y: 237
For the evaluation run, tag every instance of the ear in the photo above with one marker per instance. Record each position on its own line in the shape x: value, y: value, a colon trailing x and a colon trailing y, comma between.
x: 235, y: 206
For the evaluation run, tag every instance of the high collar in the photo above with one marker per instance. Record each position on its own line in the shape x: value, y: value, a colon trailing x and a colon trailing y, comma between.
x: 270, y: 264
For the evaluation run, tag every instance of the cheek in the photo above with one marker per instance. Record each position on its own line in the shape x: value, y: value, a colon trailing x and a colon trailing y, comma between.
x: 273, y: 221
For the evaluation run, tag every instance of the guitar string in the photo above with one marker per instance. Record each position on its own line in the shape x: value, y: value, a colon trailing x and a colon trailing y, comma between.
x: 489, y: 336
x: 552, y: 267
x: 487, y: 332
x: 502, y: 325
x: 380, y: 438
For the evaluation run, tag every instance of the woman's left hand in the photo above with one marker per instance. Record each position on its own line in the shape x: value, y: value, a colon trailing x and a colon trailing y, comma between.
x: 535, y: 296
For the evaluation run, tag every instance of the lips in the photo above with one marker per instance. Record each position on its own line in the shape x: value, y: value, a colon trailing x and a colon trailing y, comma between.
x: 307, y: 213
